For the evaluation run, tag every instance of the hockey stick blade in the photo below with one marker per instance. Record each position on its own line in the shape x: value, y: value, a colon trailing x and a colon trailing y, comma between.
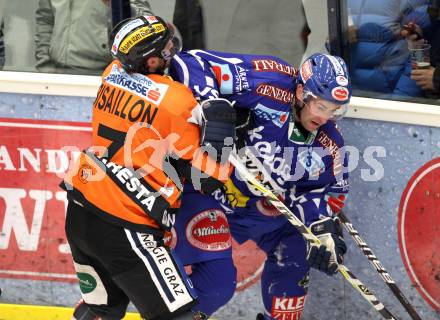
x: 309, y: 236
x: 378, y: 266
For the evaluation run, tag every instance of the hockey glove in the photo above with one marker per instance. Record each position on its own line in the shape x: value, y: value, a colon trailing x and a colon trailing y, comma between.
x: 218, y: 128
x: 330, y: 253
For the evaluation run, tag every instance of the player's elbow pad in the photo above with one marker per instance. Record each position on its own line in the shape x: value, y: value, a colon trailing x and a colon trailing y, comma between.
x: 218, y: 127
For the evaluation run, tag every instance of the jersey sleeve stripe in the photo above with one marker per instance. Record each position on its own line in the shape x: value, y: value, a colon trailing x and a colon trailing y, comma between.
x: 161, y: 267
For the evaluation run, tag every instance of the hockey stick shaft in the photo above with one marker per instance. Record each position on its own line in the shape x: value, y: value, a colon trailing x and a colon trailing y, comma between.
x: 378, y: 266
x: 309, y: 236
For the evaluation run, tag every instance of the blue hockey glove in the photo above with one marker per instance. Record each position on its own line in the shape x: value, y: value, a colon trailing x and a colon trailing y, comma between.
x: 330, y: 253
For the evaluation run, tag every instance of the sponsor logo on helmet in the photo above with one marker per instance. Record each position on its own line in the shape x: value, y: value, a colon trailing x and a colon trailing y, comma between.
x: 275, y: 93
x: 342, y: 81
x: 114, y: 49
x: 337, y: 66
x: 279, y: 118
x: 158, y: 27
x: 306, y: 71
x: 209, y: 230
x: 151, y: 19
x: 340, y: 93
x: 124, y: 31
x: 139, y: 35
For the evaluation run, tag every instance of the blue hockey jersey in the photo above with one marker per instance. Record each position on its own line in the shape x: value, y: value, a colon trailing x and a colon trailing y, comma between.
x: 303, y: 170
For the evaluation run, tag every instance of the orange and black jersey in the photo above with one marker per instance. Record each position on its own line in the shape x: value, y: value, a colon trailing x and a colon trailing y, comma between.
x: 138, y: 123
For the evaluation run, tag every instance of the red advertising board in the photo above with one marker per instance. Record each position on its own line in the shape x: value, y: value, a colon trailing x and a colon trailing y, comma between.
x: 419, y: 231
x: 34, y: 155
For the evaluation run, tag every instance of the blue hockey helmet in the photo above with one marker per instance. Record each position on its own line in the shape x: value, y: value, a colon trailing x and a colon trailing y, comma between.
x: 326, y: 77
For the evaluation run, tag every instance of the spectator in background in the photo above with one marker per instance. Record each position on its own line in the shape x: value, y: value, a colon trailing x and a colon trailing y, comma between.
x: 257, y: 26
x: 72, y: 35
x: 188, y: 18
x: 429, y: 79
x: 2, y: 45
x: 379, y: 54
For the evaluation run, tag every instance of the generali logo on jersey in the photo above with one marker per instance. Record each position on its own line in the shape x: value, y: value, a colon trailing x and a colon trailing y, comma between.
x: 273, y: 66
x: 275, y: 93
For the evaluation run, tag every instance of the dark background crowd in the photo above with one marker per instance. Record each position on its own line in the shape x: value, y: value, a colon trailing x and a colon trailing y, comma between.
x: 72, y: 37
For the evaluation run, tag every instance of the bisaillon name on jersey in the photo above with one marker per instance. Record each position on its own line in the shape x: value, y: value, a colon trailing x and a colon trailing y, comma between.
x: 124, y: 105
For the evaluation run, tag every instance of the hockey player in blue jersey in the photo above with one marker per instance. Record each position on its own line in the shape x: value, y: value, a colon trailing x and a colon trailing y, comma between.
x: 289, y: 140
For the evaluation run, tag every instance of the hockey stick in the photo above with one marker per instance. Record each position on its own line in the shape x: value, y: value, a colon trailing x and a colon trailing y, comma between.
x: 378, y: 266
x: 309, y: 236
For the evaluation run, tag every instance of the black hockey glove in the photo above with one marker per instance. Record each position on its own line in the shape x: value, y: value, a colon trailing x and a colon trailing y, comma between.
x: 218, y: 128
x: 330, y: 253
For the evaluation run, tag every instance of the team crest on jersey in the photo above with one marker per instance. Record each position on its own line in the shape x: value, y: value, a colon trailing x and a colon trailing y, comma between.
x: 311, y: 162
x: 209, y: 230
x: 85, y: 172
x: 279, y: 118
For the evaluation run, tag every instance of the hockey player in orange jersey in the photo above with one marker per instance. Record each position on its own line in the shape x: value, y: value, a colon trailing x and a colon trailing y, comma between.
x: 148, y: 133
